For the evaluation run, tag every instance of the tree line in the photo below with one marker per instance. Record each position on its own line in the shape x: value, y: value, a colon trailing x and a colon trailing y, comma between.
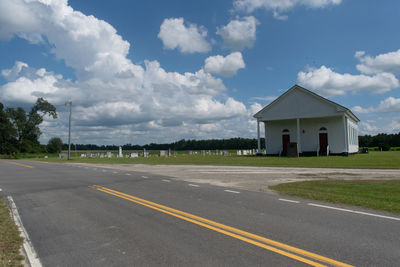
x: 382, y: 140
x: 19, y: 130
x: 210, y: 144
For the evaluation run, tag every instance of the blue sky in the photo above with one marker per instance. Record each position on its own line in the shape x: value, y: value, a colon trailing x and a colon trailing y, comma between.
x: 160, y: 71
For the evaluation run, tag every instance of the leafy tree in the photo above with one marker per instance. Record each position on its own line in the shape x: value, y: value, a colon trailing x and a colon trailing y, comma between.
x: 54, y: 145
x: 7, y: 133
x: 27, y: 125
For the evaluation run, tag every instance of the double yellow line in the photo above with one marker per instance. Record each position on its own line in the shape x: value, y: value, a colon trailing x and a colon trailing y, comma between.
x: 265, y: 243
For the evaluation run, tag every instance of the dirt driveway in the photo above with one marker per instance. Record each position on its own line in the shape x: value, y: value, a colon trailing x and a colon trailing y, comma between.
x: 251, y: 178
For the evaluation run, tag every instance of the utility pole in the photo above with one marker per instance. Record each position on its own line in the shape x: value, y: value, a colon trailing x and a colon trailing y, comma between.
x: 69, y: 128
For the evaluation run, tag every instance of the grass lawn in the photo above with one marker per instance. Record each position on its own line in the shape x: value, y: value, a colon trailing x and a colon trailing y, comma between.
x: 373, y: 160
x: 377, y: 195
x: 10, y: 239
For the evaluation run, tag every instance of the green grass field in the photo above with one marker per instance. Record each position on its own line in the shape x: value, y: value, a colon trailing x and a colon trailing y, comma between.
x: 372, y: 160
x: 377, y: 195
x: 10, y: 240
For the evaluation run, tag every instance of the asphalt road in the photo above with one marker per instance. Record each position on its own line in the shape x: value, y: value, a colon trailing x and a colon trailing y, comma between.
x: 89, y: 216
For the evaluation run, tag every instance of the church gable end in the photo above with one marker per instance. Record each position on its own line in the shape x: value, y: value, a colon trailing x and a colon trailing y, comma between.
x: 299, y: 103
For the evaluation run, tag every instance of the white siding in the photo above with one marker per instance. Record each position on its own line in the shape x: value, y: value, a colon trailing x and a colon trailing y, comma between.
x: 352, y: 135
x: 309, y: 134
x: 298, y: 104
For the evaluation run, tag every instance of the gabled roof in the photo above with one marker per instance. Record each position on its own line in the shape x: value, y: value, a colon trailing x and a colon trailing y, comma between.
x: 338, y: 107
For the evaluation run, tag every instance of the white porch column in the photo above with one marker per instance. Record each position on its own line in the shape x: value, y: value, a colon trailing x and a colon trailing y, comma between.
x: 265, y: 136
x: 298, y: 135
x: 346, y: 146
x: 258, y: 138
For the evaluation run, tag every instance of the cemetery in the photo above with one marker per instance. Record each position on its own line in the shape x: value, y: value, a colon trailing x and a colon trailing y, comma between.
x: 159, y: 153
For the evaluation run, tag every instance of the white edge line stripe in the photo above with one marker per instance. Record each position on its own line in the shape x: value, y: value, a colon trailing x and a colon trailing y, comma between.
x: 145, y: 177
x: 354, y: 211
x: 194, y: 185
x: 31, y: 254
x: 231, y: 191
x: 288, y: 200
x: 127, y: 174
x: 168, y: 181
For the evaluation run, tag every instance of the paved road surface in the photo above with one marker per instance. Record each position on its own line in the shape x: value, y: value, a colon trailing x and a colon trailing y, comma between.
x: 90, y: 216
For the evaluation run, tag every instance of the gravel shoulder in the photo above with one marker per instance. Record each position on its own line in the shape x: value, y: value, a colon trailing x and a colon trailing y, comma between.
x: 251, y: 178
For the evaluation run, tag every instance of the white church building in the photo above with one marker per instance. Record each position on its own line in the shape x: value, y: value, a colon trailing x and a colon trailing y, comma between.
x: 307, y: 123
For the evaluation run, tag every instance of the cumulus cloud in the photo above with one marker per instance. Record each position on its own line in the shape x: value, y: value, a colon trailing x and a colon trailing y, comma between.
x: 114, y: 100
x: 329, y: 83
x: 388, y: 62
x: 278, y: 6
x: 239, y: 33
x: 264, y: 98
x: 384, y: 125
x: 388, y: 105
x: 224, y: 66
x: 187, y: 39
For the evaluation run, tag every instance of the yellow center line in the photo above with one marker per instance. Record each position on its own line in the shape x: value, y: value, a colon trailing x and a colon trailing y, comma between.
x: 20, y: 164
x: 233, y: 232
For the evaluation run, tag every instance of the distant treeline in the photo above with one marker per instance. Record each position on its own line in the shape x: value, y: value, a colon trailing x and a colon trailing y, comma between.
x: 211, y: 144
x: 384, y: 141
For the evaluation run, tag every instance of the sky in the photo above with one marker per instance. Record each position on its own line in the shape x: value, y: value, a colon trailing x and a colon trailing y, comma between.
x: 156, y: 71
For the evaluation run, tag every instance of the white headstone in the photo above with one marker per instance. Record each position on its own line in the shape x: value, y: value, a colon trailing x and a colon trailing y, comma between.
x: 120, y: 152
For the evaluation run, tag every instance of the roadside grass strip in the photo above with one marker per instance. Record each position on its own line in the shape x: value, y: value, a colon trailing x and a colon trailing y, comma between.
x: 381, y: 195
x: 10, y: 239
x: 262, y: 242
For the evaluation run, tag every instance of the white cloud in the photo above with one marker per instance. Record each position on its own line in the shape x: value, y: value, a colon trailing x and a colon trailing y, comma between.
x: 224, y: 66
x: 90, y: 46
x: 264, y: 98
x: 114, y: 100
x: 388, y: 105
x: 239, y: 34
x: 254, y: 108
x: 278, y: 6
x: 381, y: 63
x: 187, y: 39
x: 384, y: 125
x: 329, y: 83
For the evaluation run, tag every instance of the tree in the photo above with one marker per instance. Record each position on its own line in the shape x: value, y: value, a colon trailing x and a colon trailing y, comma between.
x: 54, y: 145
x: 7, y: 133
x: 27, y: 125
